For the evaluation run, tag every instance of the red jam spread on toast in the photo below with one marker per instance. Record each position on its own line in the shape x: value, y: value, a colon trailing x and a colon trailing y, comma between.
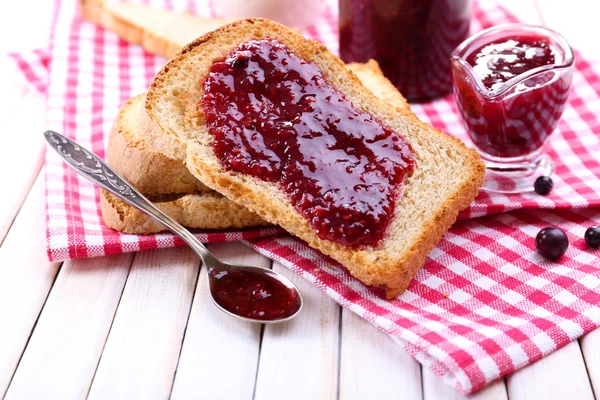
x: 275, y: 117
x: 253, y: 295
x: 500, y: 61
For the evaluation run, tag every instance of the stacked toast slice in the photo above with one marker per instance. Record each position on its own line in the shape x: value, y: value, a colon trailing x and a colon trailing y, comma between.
x: 446, y: 177
x: 161, y: 143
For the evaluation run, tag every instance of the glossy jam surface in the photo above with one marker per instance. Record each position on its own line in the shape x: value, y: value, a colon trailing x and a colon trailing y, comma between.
x: 411, y: 40
x: 511, y: 121
x: 253, y: 295
x: 275, y: 117
x: 497, y: 62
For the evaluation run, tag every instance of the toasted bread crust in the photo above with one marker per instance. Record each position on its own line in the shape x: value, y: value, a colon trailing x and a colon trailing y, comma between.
x: 393, y: 263
x: 204, y: 211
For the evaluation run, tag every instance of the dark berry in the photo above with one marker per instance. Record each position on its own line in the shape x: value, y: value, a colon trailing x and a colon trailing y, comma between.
x: 543, y: 185
x: 552, y: 243
x: 592, y: 236
x: 240, y: 62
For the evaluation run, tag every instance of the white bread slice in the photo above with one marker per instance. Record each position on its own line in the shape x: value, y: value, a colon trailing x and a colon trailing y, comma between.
x: 155, y: 174
x: 159, y: 31
x: 445, y: 180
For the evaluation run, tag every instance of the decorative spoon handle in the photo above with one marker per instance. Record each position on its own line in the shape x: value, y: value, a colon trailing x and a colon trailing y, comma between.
x: 96, y: 170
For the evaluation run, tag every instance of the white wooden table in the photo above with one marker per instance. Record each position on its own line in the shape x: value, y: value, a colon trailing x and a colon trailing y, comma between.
x: 141, y: 325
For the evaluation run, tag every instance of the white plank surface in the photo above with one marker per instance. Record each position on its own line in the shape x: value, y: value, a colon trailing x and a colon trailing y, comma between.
x: 435, y: 389
x: 372, y: 365
x: 560, y: 375
x: 26, y: 277
x: 590, y: 346
x: 141, y: 353
x: 220, y: 353
x: 65, y: 347
x: 22, y: 151
x: 22, y: 111
x: 299, y: 359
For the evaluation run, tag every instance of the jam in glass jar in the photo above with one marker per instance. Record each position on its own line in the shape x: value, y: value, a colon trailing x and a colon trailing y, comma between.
x: 511, y: 84
x: 410, y: 39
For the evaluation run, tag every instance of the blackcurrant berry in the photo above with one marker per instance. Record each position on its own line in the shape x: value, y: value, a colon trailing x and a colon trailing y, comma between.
x: 543, y: 185
x: 592, y: 236
x: 552, y: 243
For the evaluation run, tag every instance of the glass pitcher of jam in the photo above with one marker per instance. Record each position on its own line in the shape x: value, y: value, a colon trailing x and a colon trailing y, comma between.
x: 511, y: 85
x: 411, y: 40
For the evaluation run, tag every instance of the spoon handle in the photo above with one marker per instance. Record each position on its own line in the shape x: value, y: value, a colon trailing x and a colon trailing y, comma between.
x: 96, y: 170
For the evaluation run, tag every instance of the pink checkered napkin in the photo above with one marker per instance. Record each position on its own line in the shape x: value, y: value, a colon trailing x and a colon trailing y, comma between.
x: 484, y: 305
x: 34, y: 66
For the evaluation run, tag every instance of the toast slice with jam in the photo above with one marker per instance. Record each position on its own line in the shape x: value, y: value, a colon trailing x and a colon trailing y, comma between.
x: 279, y: 125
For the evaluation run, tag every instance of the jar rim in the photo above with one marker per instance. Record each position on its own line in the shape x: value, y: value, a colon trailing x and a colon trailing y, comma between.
x: 504, y: 31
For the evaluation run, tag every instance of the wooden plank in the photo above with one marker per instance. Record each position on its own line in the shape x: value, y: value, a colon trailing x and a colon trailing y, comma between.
x: 26, y: 277
x: 372, y: 365
x: 23, y: 111
x: 63, y: 352
x: 219, y: 350
x: 590, y: 346
x: 435, y: 389
x: 142, y: 350
x: 299, y: 359
x: 560, y: 375
x: 22, y: 150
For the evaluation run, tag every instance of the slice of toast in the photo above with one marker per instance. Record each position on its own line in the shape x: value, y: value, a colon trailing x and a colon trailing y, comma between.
x: 175, y: 190
x: 446, y: 178
x: 159, y: 31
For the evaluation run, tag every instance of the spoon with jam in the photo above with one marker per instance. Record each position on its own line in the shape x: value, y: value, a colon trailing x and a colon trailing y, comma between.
x: 253, y: 294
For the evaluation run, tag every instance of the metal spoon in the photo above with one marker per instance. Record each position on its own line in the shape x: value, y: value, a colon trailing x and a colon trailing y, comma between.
x: 97, y: 171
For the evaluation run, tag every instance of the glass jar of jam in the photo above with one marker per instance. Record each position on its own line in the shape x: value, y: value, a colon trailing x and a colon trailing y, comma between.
x: 511, y: 85
x: 411, y: 40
